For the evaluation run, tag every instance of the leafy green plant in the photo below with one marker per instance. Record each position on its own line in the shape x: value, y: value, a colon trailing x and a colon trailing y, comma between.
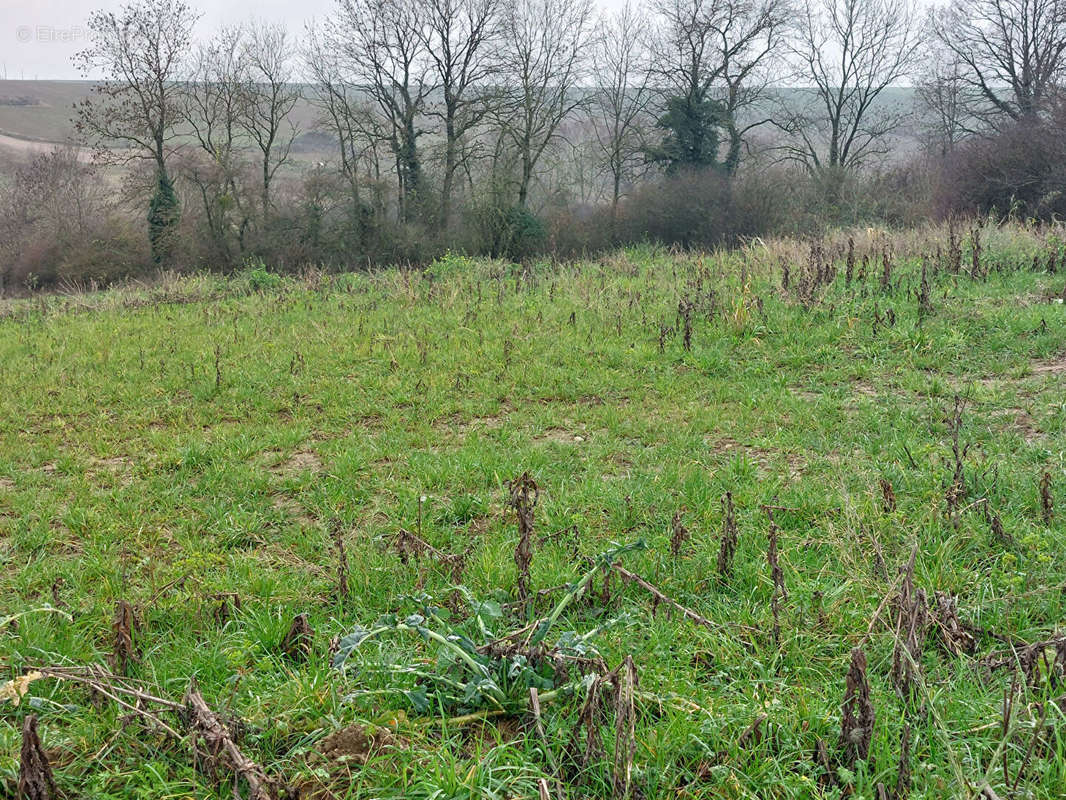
x: 477, y: 667
x: 259, y: 278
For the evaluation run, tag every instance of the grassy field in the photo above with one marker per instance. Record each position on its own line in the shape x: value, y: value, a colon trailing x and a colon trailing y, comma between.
x: 205, y: 449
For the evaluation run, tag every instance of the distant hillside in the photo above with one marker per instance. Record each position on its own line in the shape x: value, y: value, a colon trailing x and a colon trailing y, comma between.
x: 39, y: 110
x: 34, y: 112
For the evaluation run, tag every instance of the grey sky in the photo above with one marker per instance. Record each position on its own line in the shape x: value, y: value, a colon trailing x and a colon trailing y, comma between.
x: 38, y: 37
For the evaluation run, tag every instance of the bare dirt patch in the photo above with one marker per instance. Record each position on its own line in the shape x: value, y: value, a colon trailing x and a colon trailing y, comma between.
x: 112, y: 463
x: 463, y: 425
x: 804, y: 394
x: 765, y: 459
x: 864, y: 388
x: 7, y: 484
x: 1056, y: 366
x: 292, y: 509
x: 337, y: 753
x: 482, y: 737
x: 358, y: 743
x: 562, y: 436
x: 454, y: 422
x: 115, y: 466
x: 1020, y: 420
x: 300, y: 461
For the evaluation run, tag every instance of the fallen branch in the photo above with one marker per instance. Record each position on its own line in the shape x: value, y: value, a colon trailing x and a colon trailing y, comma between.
x: 119, y: 689
x: 218, y: 739
x: 663, y: 598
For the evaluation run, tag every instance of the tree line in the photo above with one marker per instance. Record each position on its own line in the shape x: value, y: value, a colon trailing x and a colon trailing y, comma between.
x: 508, y: 126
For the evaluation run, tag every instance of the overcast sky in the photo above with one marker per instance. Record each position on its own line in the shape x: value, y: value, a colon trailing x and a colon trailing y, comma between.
x: 38, y: 37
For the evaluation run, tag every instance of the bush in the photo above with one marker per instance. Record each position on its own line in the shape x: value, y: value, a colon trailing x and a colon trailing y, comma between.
x: 59, y: 226
x: 259, y: 278
x: 1019, y: 171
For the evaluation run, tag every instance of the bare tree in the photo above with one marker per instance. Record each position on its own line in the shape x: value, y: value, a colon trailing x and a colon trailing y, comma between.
x: 1011, y: 53
x: 713, y: 58
x: 134, y: 112
x: 215, y: 101
x: 460, y: 37
x: 271, y: 94
x: 851, y: 51
x: 342, y: 110
x: 545, y: 52
x: 622, y: 96
x: 686, y: 70
x: 749, y: 40
x: 943, y: 98
x: 382, y: 45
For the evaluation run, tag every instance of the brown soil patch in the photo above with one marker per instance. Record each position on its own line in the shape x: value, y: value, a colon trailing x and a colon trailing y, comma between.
x: 1056, y: 366
x: 300, y: 461
x: 340, y: 750
x: 1027, y: 425
x: 864, y: 388
x: 293, y: 510
x: 479, y: 525
x: 7, y: 484
x: 764, y: 458
x: 561, y: 436
x: 488, y: 422
x: 116, y: 466
x: 358, y: 743
x: 1022, y: 421
x: 457, y: 423
x: 482, y: 737
x: 114, y: 463
x: 804, y: 394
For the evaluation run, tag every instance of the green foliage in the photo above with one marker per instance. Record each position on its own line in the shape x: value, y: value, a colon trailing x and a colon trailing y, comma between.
x: 164, y: 210
x: 691, y: 136
x: 513, y: 232
x: 473, y: 671
x: 259, y: 278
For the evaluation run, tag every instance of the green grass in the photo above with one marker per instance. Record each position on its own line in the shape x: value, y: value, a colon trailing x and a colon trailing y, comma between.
x: 130, y: 468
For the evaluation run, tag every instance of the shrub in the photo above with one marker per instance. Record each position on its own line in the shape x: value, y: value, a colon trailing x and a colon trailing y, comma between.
x: 58, y: 225
x: 1020, y: 170
x: 259, y: 278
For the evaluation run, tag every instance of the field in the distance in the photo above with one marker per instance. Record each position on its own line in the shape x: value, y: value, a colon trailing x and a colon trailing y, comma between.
x: 197, y: 449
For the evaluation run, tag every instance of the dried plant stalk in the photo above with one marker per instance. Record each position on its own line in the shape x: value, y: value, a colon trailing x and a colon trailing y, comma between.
x: 903, y: 771
x: 925, y: 302
x: 659, y: 597
x: 337, y: 532
x: 299, y: 640
x: 857, y: 712
x: 780, y: 593
x: 912, y: 621
x: 679, y: 535
x: 730, y: 537
x: 951, y: 632
x: 587, y: 727
x: 524, y: 496
x: 957, y: 490
x: 35, y: 773
x: 625, y: 737
x: 888, y: 496
x: 123, y: 650
x: 1047, y: 502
